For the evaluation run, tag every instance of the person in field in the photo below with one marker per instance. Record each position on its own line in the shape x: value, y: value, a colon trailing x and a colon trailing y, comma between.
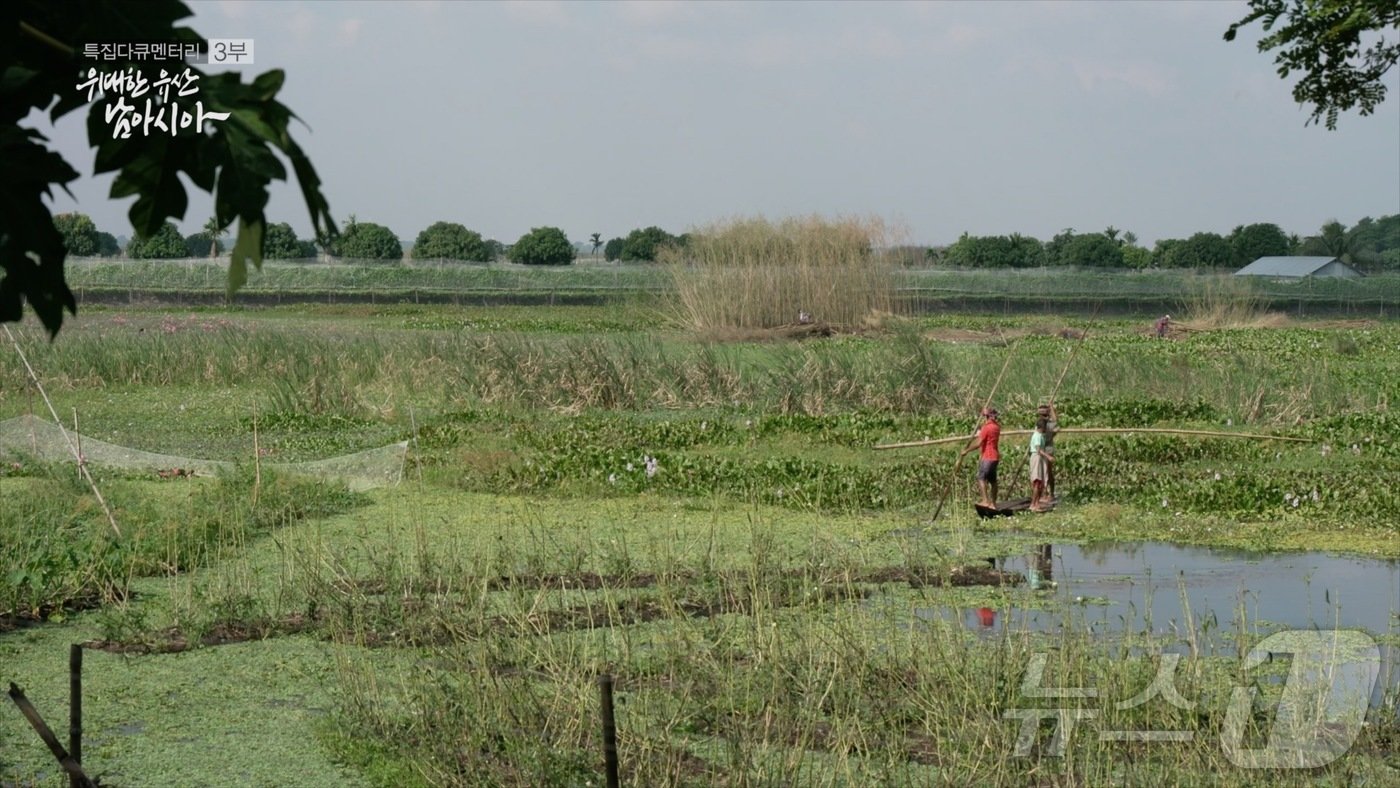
x: 1052, y: 426
x: 1039, y: 462
x: 1162, y: 326
x: 987, y: 439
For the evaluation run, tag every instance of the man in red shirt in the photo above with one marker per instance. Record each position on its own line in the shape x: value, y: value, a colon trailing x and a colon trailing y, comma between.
x: 987, y: 439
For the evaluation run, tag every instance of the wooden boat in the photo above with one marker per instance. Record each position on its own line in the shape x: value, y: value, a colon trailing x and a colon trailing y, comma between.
x: 1009, y: 508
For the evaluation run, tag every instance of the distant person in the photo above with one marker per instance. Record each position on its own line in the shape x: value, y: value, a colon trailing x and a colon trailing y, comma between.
x: 803, y: 317
x: 1163, y: 325
x: 1039, y: 462
x: 987, y: 439
x: 1052, y: 428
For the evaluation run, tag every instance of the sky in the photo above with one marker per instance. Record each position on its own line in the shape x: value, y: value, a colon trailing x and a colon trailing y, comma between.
x: 938, y: 118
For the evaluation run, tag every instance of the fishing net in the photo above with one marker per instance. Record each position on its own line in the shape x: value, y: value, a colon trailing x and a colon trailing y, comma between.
x: 47, y: 442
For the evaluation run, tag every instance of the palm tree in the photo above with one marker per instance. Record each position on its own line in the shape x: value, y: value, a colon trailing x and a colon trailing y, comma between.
x: 597, y: 240
x: 1333, y: 241
x: 214, y: 232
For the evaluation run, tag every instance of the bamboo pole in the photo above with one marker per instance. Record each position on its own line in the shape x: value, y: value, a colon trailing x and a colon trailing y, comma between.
x: 1106, y: 431
x: 65, y: 760
x: 953, y: 473
x: 78, y: 436
x: 257, y: 457
x: 77, y: 452
x: 1025, y: 458
x: 75, y: 710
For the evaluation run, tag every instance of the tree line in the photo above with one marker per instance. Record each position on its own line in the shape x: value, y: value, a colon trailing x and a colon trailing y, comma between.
x: 1370, y: 245
x: 364, y: 241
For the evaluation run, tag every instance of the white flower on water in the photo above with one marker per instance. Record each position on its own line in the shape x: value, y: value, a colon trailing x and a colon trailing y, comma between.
x: 1164, y: 503
x: 1296, y: 501
x: 1229, y: 422
x: 1315, y: 496
x: 1355, y: 449
x: 652, y: 466
x: 703, y: 425
x: 612, y: 478
x: 748, y: 423
x: 780, y: 492
x: 1326, y: 449
x: 631, y: 467
x: 1217, y: 476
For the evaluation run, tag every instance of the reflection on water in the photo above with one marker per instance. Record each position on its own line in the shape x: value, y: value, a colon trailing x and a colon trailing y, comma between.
x: 1187, y: 594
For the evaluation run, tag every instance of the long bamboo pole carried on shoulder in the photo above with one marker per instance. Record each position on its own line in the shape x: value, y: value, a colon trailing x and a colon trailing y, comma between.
x: 953, y: 474
x: 1106, y: 431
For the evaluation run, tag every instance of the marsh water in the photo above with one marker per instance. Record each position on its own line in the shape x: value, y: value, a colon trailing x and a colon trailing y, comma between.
x: 1186, y: 593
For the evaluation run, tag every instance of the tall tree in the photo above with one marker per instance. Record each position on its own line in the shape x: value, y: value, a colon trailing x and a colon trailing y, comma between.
x: 164, y: 244
x: 543, y: 246
x: 214, y: 232
x: 107, y: 245
x: 79, y: 233
x: 1201, y: 250
x: 367, y: 241
x: 450, y: 241
x: 280, y: 243
x: 597, y: 240
x: 1324, y: 40
x: 643, y: 244
x: 1332, y: 240
x: 1251, y: 242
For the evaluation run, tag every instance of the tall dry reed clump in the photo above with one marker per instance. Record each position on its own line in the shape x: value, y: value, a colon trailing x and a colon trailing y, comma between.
x: 755, y: 274
x: 1226, y: 301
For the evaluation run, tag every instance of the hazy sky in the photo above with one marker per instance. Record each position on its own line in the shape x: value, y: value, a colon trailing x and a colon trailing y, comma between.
x: 940, y: 118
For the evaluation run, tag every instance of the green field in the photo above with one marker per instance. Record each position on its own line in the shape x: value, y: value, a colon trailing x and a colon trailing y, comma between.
x: 97, y: 280
x: 593, y: 489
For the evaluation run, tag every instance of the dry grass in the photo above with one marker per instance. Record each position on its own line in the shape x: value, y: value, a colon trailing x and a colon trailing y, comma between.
x: 1226, y: 302
x: 757, y: 274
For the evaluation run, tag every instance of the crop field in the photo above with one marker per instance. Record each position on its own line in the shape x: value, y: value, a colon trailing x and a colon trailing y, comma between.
x: 602, y: 489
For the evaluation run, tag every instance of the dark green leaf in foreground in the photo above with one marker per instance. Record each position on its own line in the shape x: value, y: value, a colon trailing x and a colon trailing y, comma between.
x: 235, y: 159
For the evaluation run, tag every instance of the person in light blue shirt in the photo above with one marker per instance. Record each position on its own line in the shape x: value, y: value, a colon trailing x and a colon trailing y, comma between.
x: 1040, y: 464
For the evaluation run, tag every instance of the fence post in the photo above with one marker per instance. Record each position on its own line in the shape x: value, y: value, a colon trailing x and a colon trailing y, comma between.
x: 75, y: 709
x: 605, y: 686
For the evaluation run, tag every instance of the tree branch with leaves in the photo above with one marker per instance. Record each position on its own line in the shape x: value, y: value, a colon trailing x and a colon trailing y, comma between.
x: 234, y: 160
x: 1343, y: 48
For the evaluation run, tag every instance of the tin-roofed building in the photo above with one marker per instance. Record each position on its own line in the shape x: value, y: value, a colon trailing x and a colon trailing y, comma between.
x: 1298, y: 267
